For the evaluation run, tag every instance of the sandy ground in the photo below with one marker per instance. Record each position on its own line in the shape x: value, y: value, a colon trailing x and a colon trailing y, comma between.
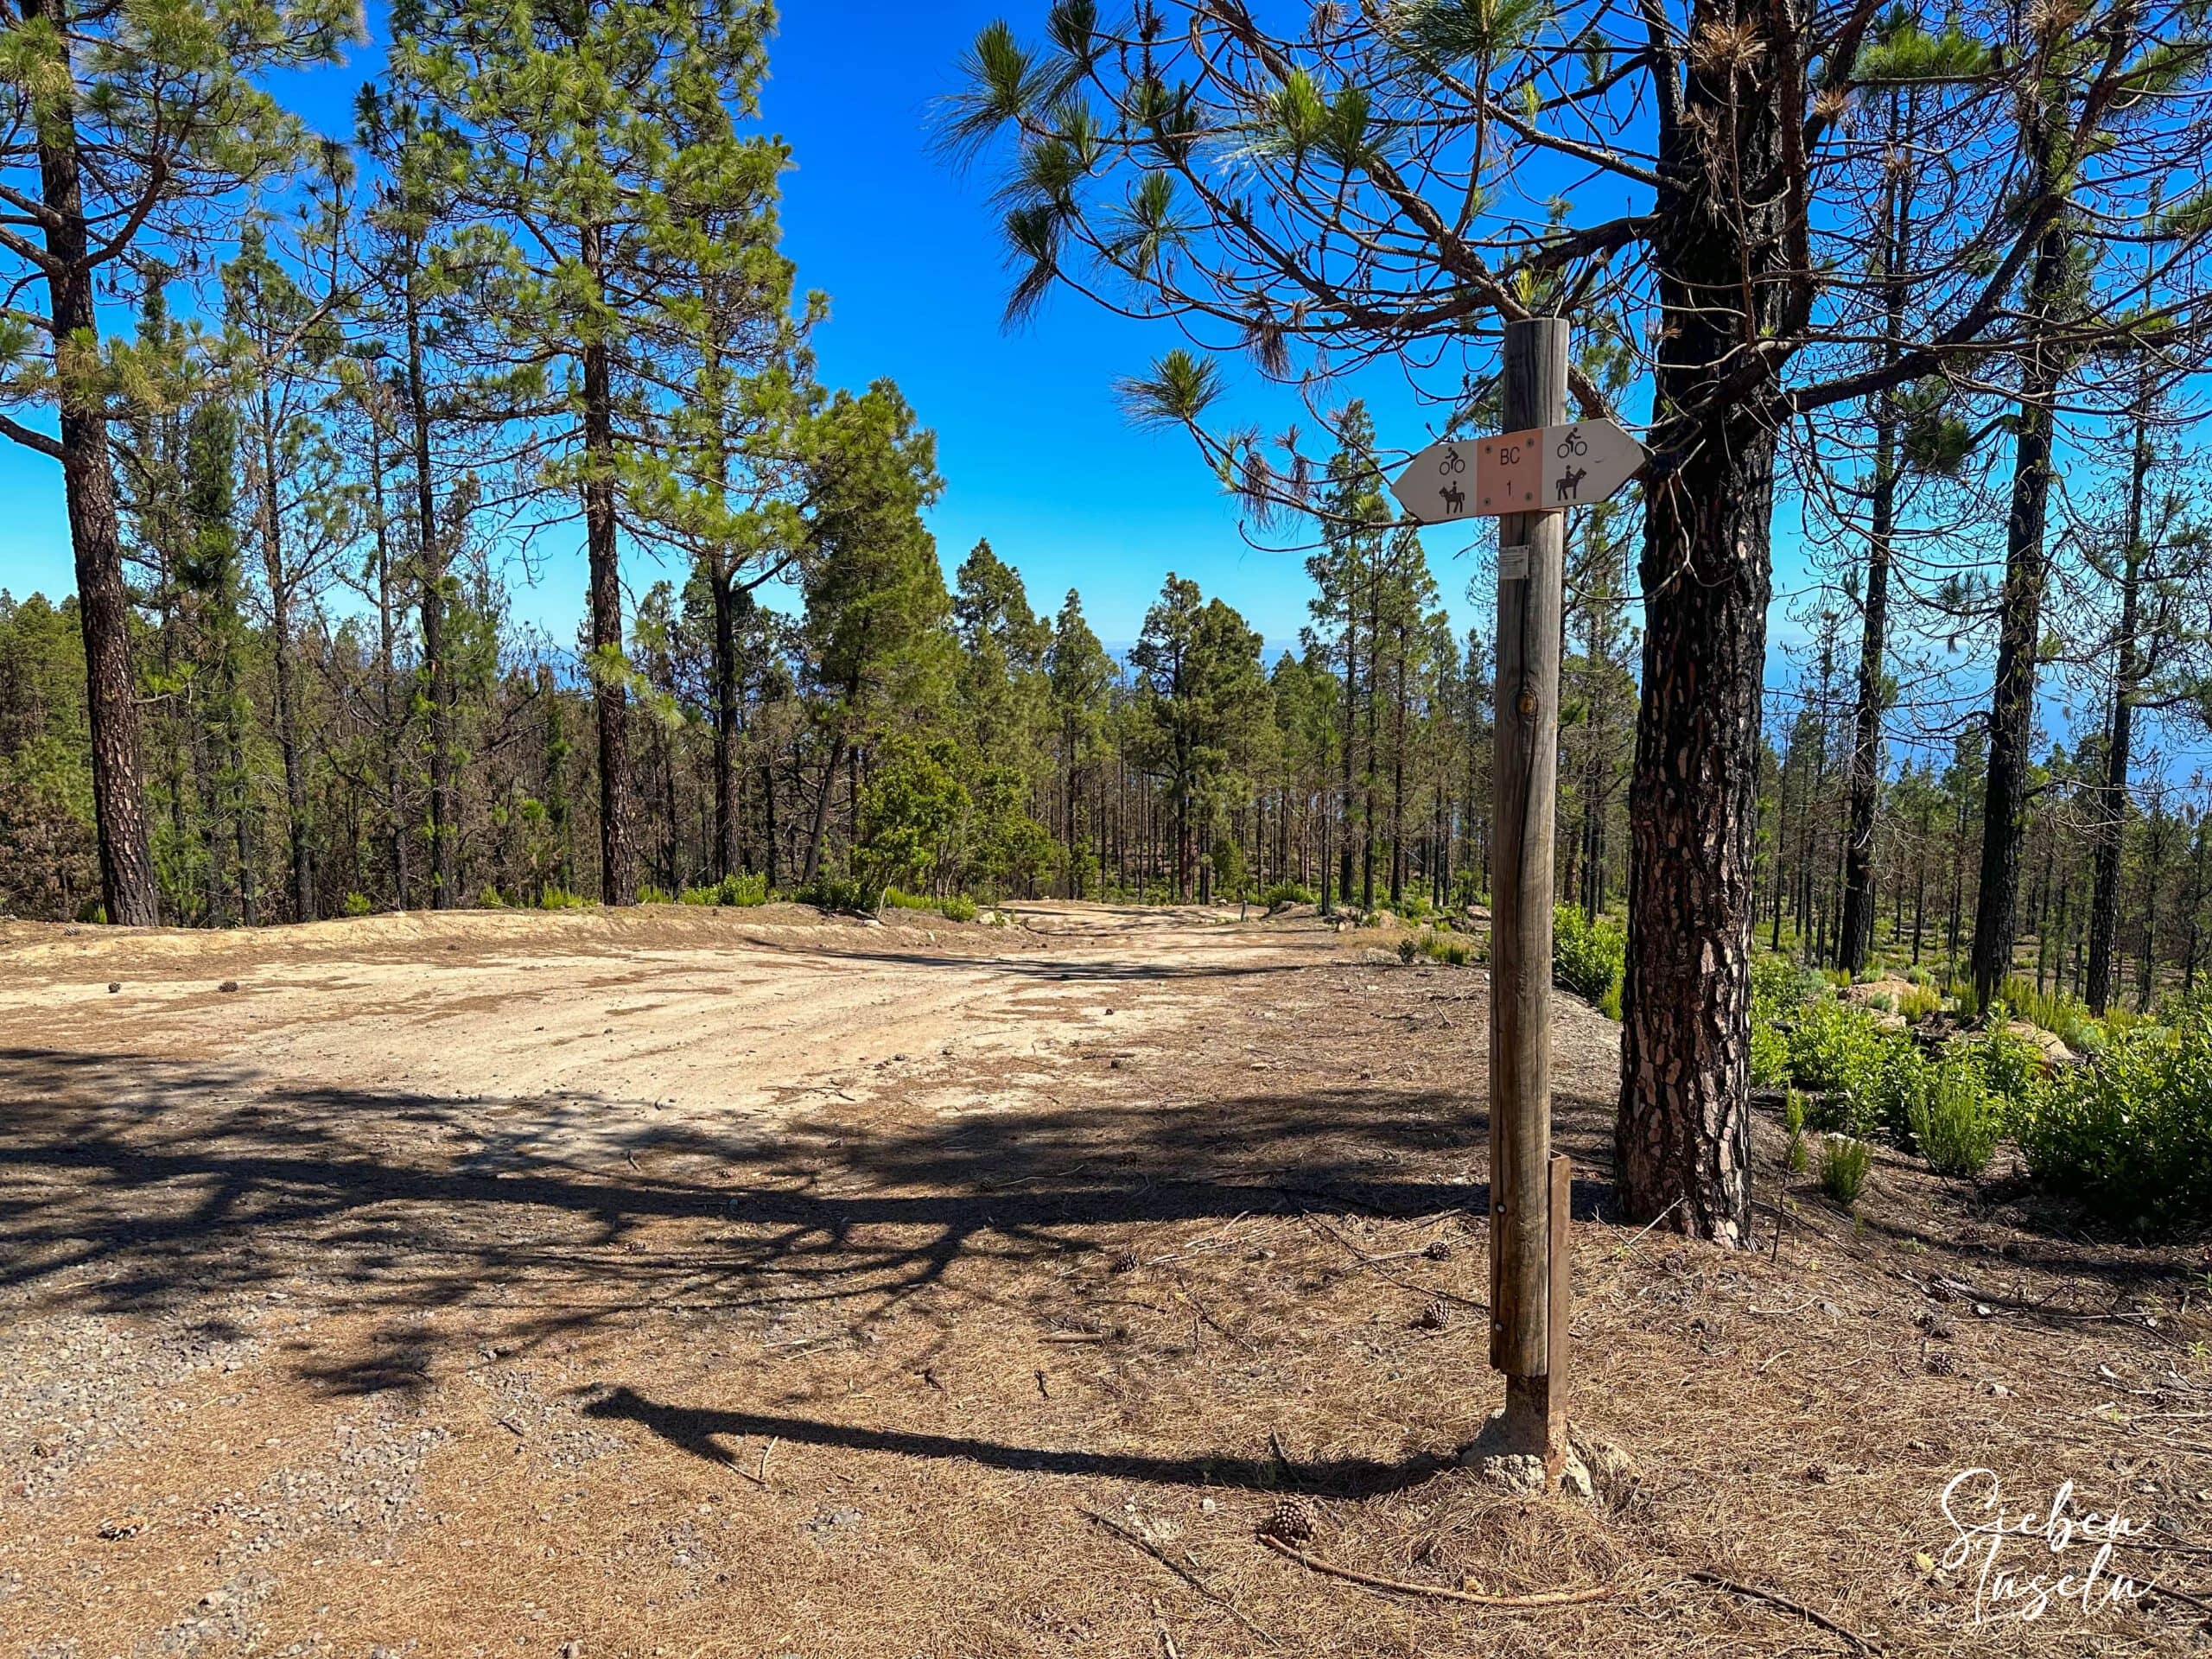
x: 699, y: 1282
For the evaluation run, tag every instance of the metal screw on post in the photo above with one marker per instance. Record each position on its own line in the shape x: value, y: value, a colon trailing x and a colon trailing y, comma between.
x: 1523, y: 1186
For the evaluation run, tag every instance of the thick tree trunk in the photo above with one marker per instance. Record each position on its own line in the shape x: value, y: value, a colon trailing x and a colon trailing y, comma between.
x: 1682, y: 1142
x: 610, y: 693
x: 2019, y: 641
x: 280, y: 646
x: 2111, y: 797
x: 726, y: 710
x: 128, y: 889
x: 1857, y: 943
x: 429, y: 552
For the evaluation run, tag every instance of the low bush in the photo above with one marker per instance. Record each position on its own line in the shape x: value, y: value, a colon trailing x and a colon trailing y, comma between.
x: 1285, y: 893
x: 650, y: 894
x: 2011, y: 1066
x: 1919, y: 1002
x: 2070, y: 1021
x: 738, y: 891
x: 2129, y: 1134
x: 1793, y: 1119
x: 357, y: 903
x: 844, y: 893
x: 1846, y: 1161
x: 1835, y: 1049
x: 1589, y: 955
x: 957, y: 909
x: 556, y: 897
x: 1770, y: 1056
x: 1955, y: 1119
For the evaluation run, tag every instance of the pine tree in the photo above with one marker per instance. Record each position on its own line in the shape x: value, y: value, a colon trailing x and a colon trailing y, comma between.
x: 115, y: 136
x: 591, y: 147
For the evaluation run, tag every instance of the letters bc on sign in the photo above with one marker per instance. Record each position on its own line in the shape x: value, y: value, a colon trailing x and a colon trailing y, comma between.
x: 1510, y: 473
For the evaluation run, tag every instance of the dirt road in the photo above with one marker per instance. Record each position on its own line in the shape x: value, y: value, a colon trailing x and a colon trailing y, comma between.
x: 691, y: 1282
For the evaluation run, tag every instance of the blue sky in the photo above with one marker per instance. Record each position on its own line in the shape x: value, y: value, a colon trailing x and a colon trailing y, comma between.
x: 1035, y: 451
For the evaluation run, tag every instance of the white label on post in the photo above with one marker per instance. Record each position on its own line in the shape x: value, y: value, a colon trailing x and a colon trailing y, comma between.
x: 1513, y: 563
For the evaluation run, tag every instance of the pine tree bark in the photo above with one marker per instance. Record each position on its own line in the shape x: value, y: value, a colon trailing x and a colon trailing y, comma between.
x: 2019, y: 641
x: 1682, y: 1140
x: 726, y: 699
x: 128, y: 889
x: 429, y: 552
x: 1857, y: 943
x: 610, y: 695
x: 280, y: 646
x: 2112, y: 795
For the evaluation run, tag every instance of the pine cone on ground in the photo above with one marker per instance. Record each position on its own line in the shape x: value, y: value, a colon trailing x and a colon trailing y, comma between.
x: 1293, y: 1520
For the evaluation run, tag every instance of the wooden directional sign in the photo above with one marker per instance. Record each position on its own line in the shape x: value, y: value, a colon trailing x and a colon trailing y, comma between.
x: 1544, y: 469
x: 1586, y: 461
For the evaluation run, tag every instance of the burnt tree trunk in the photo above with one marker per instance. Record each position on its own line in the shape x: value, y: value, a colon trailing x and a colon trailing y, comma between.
x: 1857, y: 941
x: 2019, y: 640
x: 1682, y: 1142
x: 2112, y: 802
x: 610, y: 694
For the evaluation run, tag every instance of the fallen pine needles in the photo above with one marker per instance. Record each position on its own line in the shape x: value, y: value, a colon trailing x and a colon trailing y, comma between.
x: 1477, y: 1598
x: 1137, y: 1541
x: 1776, y: 1598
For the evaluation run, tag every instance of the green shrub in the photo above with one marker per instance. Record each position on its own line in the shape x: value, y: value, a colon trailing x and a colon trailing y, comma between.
x: 1589, y: 955
x: 2129, y: 1133
x: 1287, y: 893
x: 556, y: 897
x: 1780, y: 987
x: 489, y: 899
x: 845, y: 893
x: 1408, y: 947
x: 1918, y: 1003
x: 2009, y: 1067
x: 650, y: 894
x: 1769, y: 1055
x: 2070, y: 1021
x: 738, y: 891
x: 1793, y: 1119
x: 957, y: 909
x: 1845, y: 1161
x: 1920, y: 976
x: 1955, y: 1120
x: 1880, y: 1002
x: 357, y: 903
x: 1834, y: 1048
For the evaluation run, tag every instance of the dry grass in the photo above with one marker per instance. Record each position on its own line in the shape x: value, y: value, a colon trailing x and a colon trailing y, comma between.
x: 847, y: 1383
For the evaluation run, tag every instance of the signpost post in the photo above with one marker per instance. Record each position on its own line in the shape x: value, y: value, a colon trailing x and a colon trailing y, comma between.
x: 1527, y: 477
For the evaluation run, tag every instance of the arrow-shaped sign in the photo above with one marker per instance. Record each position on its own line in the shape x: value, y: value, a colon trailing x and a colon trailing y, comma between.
x: 1543, y: 469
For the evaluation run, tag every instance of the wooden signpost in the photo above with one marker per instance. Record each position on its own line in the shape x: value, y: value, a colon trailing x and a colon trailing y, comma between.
x: 1526, y: 477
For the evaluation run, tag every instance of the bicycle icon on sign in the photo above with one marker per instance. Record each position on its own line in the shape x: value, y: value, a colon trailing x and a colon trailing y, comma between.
x: 1452, y: 461
x: 1572, y: 444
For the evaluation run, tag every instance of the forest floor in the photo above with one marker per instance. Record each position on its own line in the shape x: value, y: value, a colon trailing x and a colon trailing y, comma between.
x: 744, y: 1282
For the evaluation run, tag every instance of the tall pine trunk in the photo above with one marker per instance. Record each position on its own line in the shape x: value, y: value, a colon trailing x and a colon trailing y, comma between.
x: 128, y: 888
x: 1682, y: 1140
x: 429, y: 552
x: 1857, y: 943
x: 2112, y: 795
x: 610, y: 694
x: 280, y: 646
x: 2019, y: 639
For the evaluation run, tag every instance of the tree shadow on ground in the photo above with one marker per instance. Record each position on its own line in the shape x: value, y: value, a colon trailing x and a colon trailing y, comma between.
x: 699, y: 1431
x: 133, y: 1185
